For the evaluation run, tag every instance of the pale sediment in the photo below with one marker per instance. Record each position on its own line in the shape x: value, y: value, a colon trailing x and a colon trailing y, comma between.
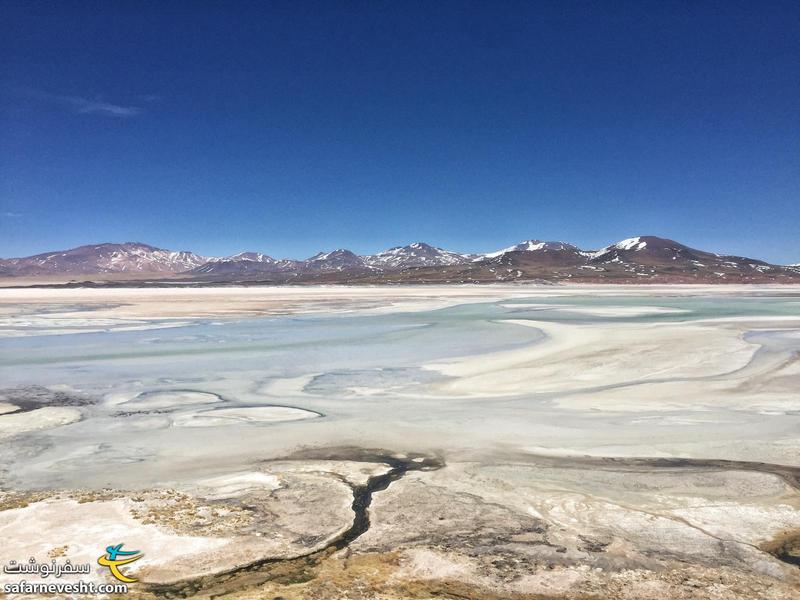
x: 404, y: 527
x: 630, y: 452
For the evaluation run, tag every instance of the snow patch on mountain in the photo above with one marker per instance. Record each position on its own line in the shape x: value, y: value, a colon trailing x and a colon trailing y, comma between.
x: 417, y: 254
x: 528, y: 246
x: 635, y: 243
x: 337, y: 260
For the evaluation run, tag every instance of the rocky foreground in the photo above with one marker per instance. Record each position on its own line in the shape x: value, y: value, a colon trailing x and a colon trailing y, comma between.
x: 354, y: 523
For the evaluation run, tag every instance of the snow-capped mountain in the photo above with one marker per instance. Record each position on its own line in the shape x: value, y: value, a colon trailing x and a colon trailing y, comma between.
x: 530, y: 246
x: 337, y: 260
x: 130, y: 257
x: 644, y: 248
x: 401, y: 257
x: 665, y: 255
x: 417, y: 254
x: 642, y: 258
x: 249, y: 257
x: 533, y: 254
x: 247, y: 263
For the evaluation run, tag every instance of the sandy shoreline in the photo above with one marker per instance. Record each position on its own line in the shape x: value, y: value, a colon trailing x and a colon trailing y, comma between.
x: 204, y: 302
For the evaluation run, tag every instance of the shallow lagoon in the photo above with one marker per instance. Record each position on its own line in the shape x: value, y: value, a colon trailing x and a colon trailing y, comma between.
x: 363, y: 373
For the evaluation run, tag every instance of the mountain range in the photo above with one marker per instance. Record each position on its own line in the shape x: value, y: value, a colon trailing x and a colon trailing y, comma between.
x: 636, y: 259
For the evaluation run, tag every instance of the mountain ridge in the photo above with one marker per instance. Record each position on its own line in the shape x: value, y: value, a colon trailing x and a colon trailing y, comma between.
x: 640, y: 258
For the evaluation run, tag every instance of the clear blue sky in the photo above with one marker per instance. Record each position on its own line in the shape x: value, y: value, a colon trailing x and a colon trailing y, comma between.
x: 292, y: 127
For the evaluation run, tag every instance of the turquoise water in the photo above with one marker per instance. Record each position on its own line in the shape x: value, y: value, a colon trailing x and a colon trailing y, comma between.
x: 287, y: 346
x: 364, y: 373
x: 695, y: 307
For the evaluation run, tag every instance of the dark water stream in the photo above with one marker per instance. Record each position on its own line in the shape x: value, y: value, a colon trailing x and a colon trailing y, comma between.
x: 294, y: 570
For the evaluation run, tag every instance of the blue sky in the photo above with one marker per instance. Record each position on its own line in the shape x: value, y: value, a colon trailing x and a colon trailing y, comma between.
x: 293, y: 127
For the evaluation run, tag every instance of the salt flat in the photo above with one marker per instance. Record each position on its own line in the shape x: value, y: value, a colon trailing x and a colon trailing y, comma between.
x: 539, y: 441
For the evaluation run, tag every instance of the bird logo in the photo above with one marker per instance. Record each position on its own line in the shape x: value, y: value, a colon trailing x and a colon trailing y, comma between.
x: 115, y: 557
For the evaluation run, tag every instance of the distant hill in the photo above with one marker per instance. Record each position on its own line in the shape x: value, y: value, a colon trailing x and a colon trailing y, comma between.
x: 130, y: 257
